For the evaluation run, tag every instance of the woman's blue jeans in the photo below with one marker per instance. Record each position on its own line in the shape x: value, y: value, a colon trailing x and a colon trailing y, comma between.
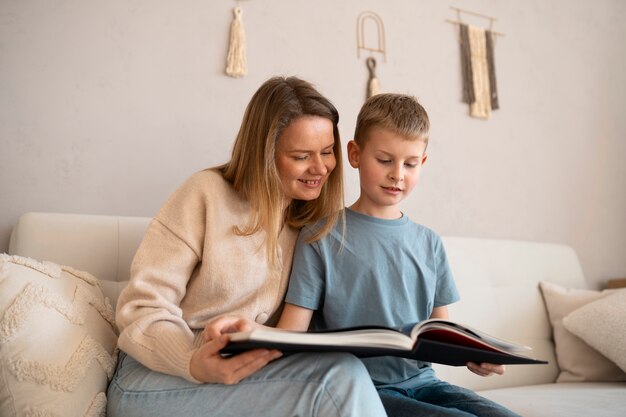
x: 324, y: 385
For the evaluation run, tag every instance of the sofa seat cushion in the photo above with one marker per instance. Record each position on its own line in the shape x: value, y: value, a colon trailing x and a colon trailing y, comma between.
x: 567, y: 399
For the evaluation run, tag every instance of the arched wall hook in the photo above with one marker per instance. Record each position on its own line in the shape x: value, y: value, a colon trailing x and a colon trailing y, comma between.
x: 360, y: 34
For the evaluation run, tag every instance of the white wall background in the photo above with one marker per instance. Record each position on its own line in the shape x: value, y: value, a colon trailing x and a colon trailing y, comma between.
x: 107, y: 106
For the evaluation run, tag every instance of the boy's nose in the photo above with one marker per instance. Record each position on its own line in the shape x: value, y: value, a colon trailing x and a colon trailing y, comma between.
x: 396, y: 174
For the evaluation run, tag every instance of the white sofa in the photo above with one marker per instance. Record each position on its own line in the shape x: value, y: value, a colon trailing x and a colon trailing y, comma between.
x: 497, y: 279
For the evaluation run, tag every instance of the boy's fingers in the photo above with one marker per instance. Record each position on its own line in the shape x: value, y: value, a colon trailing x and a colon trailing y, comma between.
x: 492, y: 368
x: 497, y: 369
x: 485, y: 369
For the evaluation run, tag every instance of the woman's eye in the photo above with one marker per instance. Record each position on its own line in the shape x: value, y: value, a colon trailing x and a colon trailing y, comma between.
x: 300, y: 158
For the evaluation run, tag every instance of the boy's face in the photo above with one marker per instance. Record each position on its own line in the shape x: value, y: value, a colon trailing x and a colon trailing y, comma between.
x: 389, y: 167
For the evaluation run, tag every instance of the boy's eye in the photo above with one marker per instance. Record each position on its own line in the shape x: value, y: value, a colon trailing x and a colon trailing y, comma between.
x: 410, y: 165
x: 383, y: 161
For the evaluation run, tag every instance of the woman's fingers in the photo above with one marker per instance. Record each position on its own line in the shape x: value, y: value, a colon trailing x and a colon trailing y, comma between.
x: 224, y: 324
x: 208, y: 365
x: 247, y: 363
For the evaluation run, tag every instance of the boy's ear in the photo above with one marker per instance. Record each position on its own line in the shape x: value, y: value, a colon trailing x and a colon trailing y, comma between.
x: 353, y: 154
x: 424, y: 158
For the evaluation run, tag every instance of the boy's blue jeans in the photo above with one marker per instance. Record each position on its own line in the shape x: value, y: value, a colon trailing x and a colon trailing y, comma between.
x: 325, y: 385
x: 439, y: 399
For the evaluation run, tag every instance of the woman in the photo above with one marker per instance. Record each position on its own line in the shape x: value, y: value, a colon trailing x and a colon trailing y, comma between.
x: 219, y: 252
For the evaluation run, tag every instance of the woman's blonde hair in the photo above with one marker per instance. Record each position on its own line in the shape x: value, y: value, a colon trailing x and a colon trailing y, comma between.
x: 252, y: 169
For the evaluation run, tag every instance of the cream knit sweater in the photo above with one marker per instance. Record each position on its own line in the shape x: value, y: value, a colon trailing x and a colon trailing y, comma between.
x: 191, y: 267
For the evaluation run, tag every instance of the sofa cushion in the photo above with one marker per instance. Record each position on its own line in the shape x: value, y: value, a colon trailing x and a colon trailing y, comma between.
x: 572, y: 399
x: 577, y: 360
x: 602, y: 324
x: 57, y: 340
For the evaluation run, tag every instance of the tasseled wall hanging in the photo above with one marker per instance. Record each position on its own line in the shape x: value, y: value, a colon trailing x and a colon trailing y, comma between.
x: 236, y: 64
x: 373, y: 85
x: 481, y: 106
x: 493, y: 88
x: 480, y: 90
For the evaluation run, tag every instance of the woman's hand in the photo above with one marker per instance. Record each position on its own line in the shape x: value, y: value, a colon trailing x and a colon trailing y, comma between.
x: 215, y: 328
x: 207, y: 365
x: 486, y: 369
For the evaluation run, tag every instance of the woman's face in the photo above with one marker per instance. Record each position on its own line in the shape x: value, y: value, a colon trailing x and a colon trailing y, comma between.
x: 305, y: 157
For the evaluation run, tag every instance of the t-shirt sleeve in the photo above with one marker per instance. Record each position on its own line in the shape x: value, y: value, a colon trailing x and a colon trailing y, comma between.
x: 446, y: 292
x: 306, y: 284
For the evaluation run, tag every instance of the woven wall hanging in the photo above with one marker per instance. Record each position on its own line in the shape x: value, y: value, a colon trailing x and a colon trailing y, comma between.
x: 478, y: 69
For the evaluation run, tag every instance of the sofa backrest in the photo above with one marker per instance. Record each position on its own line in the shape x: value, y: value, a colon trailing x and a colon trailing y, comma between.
x: 101, y: 245
x: 497, y: 280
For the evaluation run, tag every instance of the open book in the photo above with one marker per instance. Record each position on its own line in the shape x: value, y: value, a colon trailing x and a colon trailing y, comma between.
x: 435, y: 340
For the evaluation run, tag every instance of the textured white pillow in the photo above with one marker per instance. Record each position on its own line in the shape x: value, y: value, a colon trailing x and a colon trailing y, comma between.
x: 577, y: 360
x: 57, y: 340
x: 602, y: 324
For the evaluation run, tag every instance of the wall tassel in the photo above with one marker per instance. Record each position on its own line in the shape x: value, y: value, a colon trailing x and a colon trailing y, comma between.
x: 373, y: 86
x: 481, y: 107
x: 236, y: 65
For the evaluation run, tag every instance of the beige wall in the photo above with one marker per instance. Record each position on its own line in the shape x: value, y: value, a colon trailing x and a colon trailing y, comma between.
x: 106, y: 106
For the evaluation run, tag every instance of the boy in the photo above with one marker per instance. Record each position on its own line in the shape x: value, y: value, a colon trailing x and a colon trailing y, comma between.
x: 384, y: 269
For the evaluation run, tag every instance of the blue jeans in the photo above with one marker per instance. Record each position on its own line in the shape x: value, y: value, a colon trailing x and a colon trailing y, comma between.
x: 439, y: 399
x: 324, y: 385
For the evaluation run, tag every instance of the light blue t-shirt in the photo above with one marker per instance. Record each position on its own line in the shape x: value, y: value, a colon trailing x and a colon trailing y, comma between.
x: 387, y: 272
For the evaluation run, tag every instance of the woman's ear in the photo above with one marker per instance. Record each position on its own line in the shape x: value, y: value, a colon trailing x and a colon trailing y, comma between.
x: 353, y: 154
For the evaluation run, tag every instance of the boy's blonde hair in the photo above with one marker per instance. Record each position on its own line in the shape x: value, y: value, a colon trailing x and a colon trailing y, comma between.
x: 399, y: 113
x: 252, y: 169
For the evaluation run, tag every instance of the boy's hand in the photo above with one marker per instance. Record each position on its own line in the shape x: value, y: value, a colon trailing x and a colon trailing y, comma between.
x: 486, y: 369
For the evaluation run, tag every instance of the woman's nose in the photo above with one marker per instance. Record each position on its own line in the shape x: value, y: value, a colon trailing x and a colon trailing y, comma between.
x: 318, y: 167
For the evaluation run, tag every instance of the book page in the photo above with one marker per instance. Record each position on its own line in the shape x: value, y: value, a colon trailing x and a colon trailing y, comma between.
x: 378, y: 337
x: 468, y: 331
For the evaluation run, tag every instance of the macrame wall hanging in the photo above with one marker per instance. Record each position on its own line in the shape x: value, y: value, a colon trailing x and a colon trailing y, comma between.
x: 480, y: 90
x: 236, y: 64
x: 373, y: 85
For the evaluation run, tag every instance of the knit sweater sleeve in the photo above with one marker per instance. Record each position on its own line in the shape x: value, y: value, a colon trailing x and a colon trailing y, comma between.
x: 149, y: 316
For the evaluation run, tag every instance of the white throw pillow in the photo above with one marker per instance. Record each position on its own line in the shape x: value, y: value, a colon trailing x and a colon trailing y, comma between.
x: 57, y: 340
x: 577, y: 360
x: 602, y: 324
